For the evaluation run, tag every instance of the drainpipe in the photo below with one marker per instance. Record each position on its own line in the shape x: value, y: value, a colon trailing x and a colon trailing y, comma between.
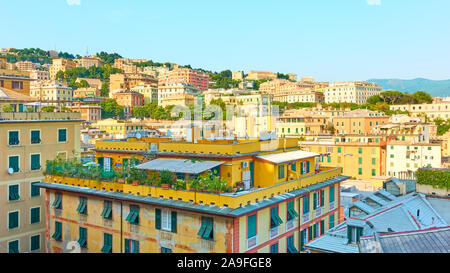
x: 299, y: 228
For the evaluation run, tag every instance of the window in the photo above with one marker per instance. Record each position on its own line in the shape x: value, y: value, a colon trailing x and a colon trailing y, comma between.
x: 331, y: 223
x: 353, y: 234
x: 57, y: 204
x: 62, y: 135
x: 13, y: 246
x: 373, y: 172
x: 303, y: 239
x: 166, y: 250
x: 290, y: 245
x: 360, y: 160
x: 83, y: 237
x: 316, y: 230
x: 16, y: 85
x: 280, y: 171
x: 35, y: 242
x: 13, y: 138
x: 251, y: 226
x: 360, y: 171
x: 35, y: 215
x: 293, y: 167
x: 107, y: 243
x: 58, y: 231
x: 329, y: 159
x: 13, y: 219
x: 166, y: 220
x: 318, y: 199
x: 35, y: 190
x: 14, y: 163
x: 306, y: 204
x: 131, y: 246
x: 339, y: 150
x: 207, y: 228
x: 274, y: 248
x: 35, y: 162
x: 374, y: 162
x: 82, y: 205
x: 360, y: 150
x: 107, y: 210
x: 322, y: 227
x: 331, y: 194
x: 14, y: 193
x: 35, y: 137
x: 133, y: 216
x: 275, y: 220
x: 291, y: 213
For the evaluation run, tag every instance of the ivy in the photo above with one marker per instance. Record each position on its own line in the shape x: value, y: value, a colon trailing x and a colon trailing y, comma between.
x: 438, y: 178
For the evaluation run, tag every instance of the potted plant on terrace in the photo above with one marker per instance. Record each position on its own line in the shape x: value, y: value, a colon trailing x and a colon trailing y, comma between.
x: 166, y: 179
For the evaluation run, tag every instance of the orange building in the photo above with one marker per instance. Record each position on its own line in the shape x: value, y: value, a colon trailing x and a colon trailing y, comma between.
x: 128, y: 99
x: 360, y: 121
x: 60, y: 65
x: 192, y: 77
x: 128, y: 81
x: 89, y: 113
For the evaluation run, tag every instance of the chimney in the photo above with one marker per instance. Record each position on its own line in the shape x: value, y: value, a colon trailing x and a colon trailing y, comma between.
x: 418, y: 213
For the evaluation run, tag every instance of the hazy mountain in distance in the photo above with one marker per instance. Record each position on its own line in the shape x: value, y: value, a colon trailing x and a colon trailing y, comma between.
x: 434, y: 88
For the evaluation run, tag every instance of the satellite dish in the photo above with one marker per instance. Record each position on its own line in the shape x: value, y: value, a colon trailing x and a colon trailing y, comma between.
x: 10, y: 170
x: 138, y: 136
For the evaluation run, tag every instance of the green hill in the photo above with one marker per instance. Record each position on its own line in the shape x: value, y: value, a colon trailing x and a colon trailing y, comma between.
x: 434, y: 88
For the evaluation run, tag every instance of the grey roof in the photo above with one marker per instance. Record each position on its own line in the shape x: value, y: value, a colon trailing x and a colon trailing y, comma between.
x: 377, y: 199
x: 441, y: 205
x: 396, y: 216
x: 179, y: 165
x: 202, y: 208
x: 386, y: 194
x: 363, y: 206
x: 436, y: 240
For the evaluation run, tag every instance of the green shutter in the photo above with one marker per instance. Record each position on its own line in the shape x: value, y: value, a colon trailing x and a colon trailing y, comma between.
x: 174, y: 221
x: 35, y: 242
x: 14, y: 163
x: 158, y: 218
x: 331, y: 194
x: 83, y: 237
x: 13, y: 219
x: 331, y: 224
x: 302, y: 240
x: 349, y: 234
x: 35, y: 137
x: 57, y: 202
x: 107, y: 210
x: 306, y: 204
x: 307, y: 166
x: 315, y: 200
x: 322, y: 198
x: 301, y: 167
x: 127, y: 246
x: 13, y: 247
x: 35, y: 215
x: 35, y: 162
x: 82, y: 205
x: 107, y: 243
x: 35, y: 190
x: 14, y: 192
x: 62, y: 135
x: 133, y: 216
x: 58, y: 231
x: 322, y: 227
x: 310, y: 233
x: 251, y: 226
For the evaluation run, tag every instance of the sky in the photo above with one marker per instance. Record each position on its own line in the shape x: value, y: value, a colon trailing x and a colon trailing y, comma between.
x: 330, y: 40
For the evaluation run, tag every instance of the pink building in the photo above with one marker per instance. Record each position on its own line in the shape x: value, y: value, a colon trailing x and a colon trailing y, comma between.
x: 185, y: 75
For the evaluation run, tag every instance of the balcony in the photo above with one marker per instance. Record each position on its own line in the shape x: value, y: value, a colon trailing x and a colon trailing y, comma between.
x: 273, y: 232
x: 332, y: 206
x: 318, y: 212
x: 252, y: 242
x: 290, y: 224
x: 306, y: 217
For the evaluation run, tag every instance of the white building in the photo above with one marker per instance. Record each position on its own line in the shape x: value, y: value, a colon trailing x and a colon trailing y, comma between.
x: 351, y: 92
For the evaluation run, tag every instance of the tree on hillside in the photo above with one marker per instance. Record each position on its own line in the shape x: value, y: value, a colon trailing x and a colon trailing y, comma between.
x: 110, y: 109
x: 104, y: 90
x: 391, y: 96
x: 422, y: 97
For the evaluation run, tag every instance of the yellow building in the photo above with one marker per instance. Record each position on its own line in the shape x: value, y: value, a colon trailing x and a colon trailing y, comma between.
x: 119, y: 128
x: 60, y: 65
x: 150, y: 92
x: 52, y: 92
x: 297, y: 126
x: 282, y: 201
x: 27, y: 141
x: 17, y: 81
x: 358, y: 157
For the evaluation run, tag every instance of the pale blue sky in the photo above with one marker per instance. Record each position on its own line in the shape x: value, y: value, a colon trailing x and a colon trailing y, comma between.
x: 327, y: 39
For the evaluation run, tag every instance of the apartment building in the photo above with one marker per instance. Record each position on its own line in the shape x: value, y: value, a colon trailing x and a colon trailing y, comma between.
x: 60, y: 65
x: 40, y: 75
x: 405, y: 158
x: 26, y: 65
x: 128, y: 99
x: 52, y: 92
x: 360, y: 121
x: 89, y: 113
x: 188, y: 76
x: 87, y: 62
x: 149, y: 92
x: 260, y: 75
x: 93, y: 83
x: 17, y: 101
x: 282, y: 201
x: 361, y: 157
x: 17, y: 81
x: 119, y: 129
x: 175, y: 90
x: 300, y: 96
x: 128, y: 81
x: 238, y: 76
x: 86, y: 92
x: 432, y: 111
x: 297, y: 126
x: 27, y: 141
x: 353, y: 92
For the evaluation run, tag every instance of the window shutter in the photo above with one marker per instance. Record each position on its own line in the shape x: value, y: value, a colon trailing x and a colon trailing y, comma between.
x: 302, y: 239
x: 322, y: 198
x: 158, y: 218
x: 315, y: 200
x: 307, y: 166
x: 349, y: 234
x: 174, y: 222
x: 127, y: 246
x: 301, y: 167
x: 251, y: 232
x: 331, y: 194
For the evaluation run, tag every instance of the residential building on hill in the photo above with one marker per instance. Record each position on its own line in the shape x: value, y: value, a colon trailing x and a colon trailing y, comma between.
x: 432, y: 111
x: 60, y: 65
x: 351, y: 92
x: 188, y: 76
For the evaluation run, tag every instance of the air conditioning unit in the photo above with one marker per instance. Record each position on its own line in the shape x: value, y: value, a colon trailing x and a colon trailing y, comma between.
x: 245, y: 164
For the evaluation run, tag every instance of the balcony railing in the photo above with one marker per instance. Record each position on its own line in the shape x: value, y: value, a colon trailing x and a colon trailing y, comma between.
x: 332, y: 206
x: 318, y: 212
x: 252, y: 242
x: 306, y: 217
x: 273, y: 232
x: 290, y: 225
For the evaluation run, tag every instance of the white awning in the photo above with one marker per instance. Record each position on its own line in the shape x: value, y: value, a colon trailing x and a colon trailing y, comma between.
x: 179, y: 165
x: 280, y: 158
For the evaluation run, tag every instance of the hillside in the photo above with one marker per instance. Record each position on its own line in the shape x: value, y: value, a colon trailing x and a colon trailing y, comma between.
x: 434, y: 88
